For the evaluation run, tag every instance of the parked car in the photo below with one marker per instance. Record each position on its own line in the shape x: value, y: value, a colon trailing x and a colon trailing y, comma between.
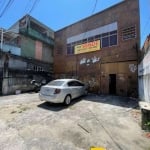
x: 62, y: 91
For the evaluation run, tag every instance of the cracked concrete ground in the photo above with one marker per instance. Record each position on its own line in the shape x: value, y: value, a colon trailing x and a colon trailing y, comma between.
x: 113, y: 122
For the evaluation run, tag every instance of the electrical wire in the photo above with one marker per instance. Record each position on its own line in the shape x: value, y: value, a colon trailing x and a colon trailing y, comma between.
x: 27, y: 6
x: 6, y: 7
x: 10, y: 2
x: 93, y: 10
x: 34, y: 6
x: 94, y: 7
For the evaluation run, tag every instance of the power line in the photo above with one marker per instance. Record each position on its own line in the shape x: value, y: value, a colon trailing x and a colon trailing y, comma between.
x: 30, y: 6
x: 6, y: 7
x: 94, y: 7
x: 90, y: 15
x: 34, y: 5
x: 27, y: 6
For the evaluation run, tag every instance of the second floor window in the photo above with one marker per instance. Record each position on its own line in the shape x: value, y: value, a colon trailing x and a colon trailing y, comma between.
x: 106, y: 39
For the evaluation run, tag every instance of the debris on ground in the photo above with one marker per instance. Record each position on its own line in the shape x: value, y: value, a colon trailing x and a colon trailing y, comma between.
x: 147, y: 135
x: 136, y: 114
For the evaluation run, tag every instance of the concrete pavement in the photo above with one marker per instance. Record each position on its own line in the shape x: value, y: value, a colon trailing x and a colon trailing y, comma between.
x: 26, y: 123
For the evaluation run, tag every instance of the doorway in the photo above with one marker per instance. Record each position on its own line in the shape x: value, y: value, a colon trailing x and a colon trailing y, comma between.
x: 112, y: 84
x: 1, y: 81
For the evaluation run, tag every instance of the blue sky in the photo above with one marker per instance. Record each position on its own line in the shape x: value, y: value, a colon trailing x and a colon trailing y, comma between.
x: 60, y: 13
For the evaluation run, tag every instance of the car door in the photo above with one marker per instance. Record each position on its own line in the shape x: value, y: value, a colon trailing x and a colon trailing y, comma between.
x: 79, y: 88
x: 73, y: 89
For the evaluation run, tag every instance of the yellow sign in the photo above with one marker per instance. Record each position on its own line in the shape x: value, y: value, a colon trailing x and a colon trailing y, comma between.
x: 87, y: 47
x: 98, y: 148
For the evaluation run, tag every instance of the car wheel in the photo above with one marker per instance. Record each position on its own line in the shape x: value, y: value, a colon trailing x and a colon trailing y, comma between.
x: 67, y: 100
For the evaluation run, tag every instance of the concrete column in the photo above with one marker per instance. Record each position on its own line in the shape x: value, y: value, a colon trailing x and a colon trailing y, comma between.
x: 5, y: 86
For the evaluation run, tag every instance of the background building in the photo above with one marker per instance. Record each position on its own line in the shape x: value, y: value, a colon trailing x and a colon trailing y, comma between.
x: 144, y: 72
x: 26, y: 54
x: 102, y: 50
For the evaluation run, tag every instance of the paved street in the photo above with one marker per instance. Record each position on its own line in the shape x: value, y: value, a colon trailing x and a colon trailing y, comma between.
x: 26, y: 123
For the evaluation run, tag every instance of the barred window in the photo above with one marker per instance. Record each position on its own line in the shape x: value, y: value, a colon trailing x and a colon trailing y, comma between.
x: 129, y: 33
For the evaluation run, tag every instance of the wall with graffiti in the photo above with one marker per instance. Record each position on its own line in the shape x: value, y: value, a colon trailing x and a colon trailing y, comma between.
x: 96, y: 73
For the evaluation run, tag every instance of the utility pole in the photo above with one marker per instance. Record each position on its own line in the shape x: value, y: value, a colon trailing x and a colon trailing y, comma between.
x: 1, y: 39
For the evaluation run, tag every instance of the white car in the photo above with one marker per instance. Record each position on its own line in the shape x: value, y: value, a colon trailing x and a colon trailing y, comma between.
x: 62, y: 91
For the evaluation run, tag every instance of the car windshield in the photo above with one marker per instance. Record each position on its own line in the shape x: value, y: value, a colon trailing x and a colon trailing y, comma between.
x: 56, y: 83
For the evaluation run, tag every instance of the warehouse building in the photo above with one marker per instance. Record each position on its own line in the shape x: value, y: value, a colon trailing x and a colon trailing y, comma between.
x: 102, y: 50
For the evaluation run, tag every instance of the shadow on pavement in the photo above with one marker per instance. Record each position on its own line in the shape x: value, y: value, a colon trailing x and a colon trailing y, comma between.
x: 52, y: 106
x: 59, y: 106
x: 113, y: 100
x: 107, y: 99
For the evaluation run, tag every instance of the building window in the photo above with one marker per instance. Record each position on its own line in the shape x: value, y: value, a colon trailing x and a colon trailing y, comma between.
x: 97, y: 37
x: 107, y: 39
x: 79, y: 42
x: 70, y: 49
x: 105, y: 42
x: 84, y: 41
x: 113, y: 40
x: 91, y: 39
x: 129, y: 33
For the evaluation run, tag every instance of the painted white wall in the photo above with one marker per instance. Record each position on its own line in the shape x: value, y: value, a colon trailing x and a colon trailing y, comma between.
x: 144, y: 78
x: 144, y: 88
x: 14, y: 50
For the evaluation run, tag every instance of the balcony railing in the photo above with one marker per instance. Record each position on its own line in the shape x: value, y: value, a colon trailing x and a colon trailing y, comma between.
x: 34, y: 34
